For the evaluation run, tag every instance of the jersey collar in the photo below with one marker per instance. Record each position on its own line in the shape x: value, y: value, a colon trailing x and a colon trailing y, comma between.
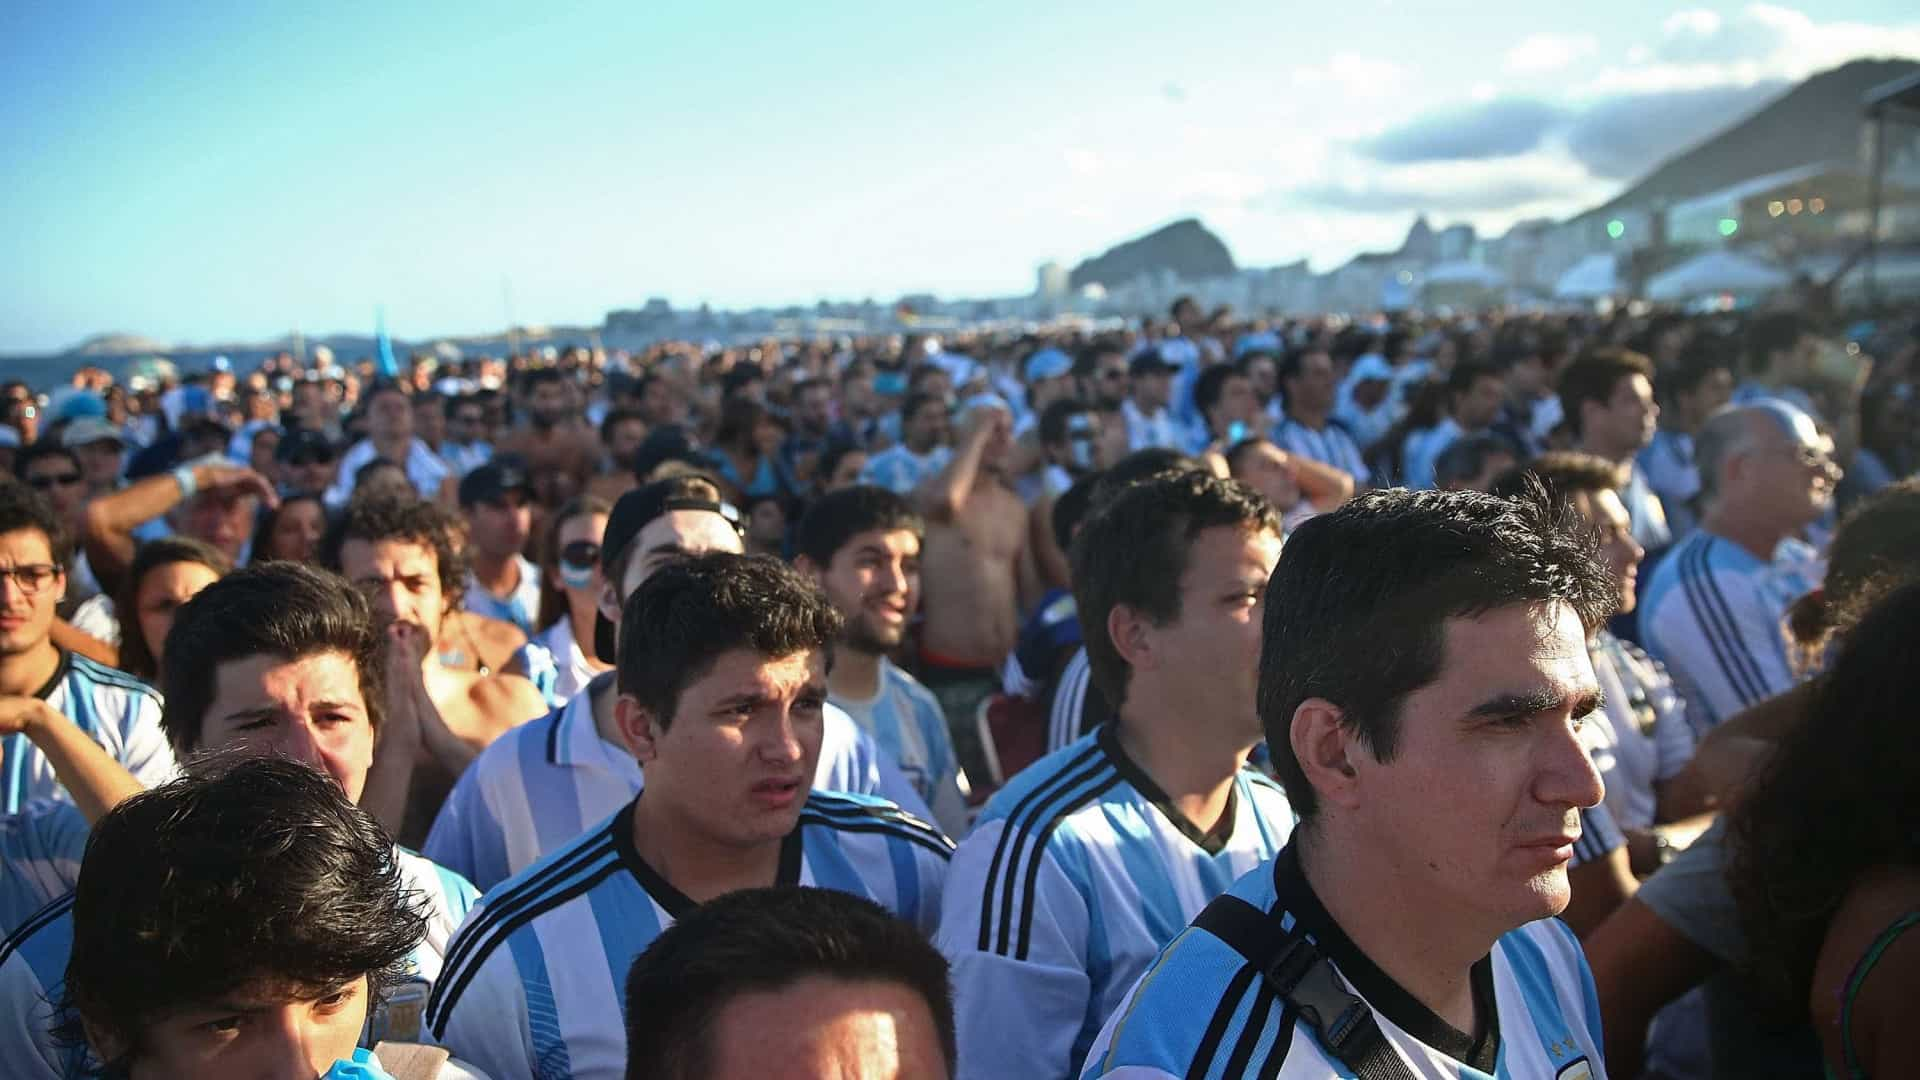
x: 664, y: 892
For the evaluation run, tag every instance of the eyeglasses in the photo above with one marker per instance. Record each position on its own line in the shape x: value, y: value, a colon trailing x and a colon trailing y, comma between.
x: 581, y: 554
x: 32, y: 578
x: 43, y: 483
x: 1812, y: 457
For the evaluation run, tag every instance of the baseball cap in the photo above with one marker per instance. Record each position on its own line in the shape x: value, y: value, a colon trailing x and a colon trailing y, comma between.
x: 1047, y: 364
x: 1371, y: 366
x: 86, y: 430
x: 634, y: 512
x: 492, y: 481
x: 1151, y: 362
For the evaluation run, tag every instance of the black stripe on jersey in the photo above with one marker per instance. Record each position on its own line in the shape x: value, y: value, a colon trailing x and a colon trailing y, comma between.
x: 35, y: 923
x: 1040, y: 790
x: 1222, y: 1018
x: 1736, y: 641
x: 1037, y: 855
x: 107, y: 676
x: 935, y: 843
x: 553, y: 736
x: 1282, y: 1042
x: 1250, y: 1031
x: 823, y: 803
x: 1028, y: 842
x: 1723, y: 637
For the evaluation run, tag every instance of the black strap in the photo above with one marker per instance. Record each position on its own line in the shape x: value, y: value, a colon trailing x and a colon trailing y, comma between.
x: 1305, y: 980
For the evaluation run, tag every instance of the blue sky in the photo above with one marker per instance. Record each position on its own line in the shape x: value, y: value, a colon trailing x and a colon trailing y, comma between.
x: 226, y: 171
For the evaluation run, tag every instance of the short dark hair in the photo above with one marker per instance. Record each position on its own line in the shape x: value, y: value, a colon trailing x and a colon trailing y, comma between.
x: 1137, y: 466
x: 1133, y: 551
x: 1070, y: 509
x: 247, y: 871
x: 689, y: 612
x: 616, y: 417
x: 830, y: 458
x: 1086, y: 362
x: 1703, y: 356
x: 1771, y: 333
x: 413, y: 520
x: 21, y: 507
x: 766, y: 939
x: 915, y: 401
x: 1056, y: 420
x: 1593, y: 376
x: 136, y: 652
x: 361, y: 474
x: 1295, y: 358
x: 1211, y: 386
x: 1562, y: 474
x: 541, y: 376
x: 836, y: 518
x: 383, y: 385
x: 1464, y: 458
x: 1358, y: 605
x: 1467, y: 372
x: 41, y: 451
x: 283, y: 609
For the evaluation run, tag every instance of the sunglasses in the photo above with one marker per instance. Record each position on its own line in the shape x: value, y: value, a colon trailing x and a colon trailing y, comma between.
x: 43, y: 483
x: 581, y: 554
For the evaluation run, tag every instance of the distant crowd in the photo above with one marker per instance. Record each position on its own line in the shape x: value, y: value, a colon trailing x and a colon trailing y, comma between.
x: 1478, y: 695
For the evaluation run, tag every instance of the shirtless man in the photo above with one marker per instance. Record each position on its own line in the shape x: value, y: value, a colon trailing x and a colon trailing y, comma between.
x: 402, y: 555
x: 978, y: 572
x: 560, y: 450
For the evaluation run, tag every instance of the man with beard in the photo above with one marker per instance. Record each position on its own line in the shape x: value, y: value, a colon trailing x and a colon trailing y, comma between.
x: 1100, y: 370
x: 390, y: 437
x: 401, y: 554
x: 559, y: 449
x: 1306, y: 376
x: 862, y: 547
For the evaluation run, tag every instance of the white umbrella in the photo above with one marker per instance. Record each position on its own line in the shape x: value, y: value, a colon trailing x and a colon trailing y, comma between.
x: 1715, y: 272
x: 1589, y: 279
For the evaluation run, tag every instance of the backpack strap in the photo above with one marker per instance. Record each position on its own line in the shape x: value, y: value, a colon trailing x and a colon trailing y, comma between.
x: 1303, y: 978
x: 411, y: 1061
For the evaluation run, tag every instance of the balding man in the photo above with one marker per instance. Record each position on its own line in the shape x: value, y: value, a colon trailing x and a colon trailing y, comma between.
x: 1713, y: 610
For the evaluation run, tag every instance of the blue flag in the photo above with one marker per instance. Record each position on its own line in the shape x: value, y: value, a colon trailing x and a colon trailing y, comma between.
x: 383, y: 345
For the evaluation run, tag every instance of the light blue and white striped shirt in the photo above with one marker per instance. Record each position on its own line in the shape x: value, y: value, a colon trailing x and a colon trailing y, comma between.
x: 1715, y: 616
x: 40, y: 851
x: 543, y: 783
x: 1203, y: 1010
x: 904, y: 718
x: 535, y: 984
x: 120, y: 712
x: 521, y: 607
x: 900, y: 470
x: 1329, y: 445
x: 1079, y: 871
x: 33, y: 966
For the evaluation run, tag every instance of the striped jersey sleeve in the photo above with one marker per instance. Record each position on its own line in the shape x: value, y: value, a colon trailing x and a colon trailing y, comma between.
x: 1330, y: 445
x: 40, y: 851
x: 33, y: 965
x: 1065, y: 712
x: 871, y: 847
x: 904, y: 720
x: 120, y: 712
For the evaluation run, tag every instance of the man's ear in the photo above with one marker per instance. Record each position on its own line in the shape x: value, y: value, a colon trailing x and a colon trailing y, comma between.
x: 1132, y: 635
x: 1327, y: 752
x: 637, y: 729
x: 608, y: 602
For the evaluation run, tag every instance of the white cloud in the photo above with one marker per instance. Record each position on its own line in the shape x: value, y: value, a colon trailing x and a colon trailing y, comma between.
x: 1697, y: 21
x: 1537, y: 53
x: 1762, y: 43
x: 1368, y: 76
x: 1083, y: 162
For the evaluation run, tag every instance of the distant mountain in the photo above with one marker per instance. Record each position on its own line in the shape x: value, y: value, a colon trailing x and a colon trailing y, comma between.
x: 1816, y: 121
x: 1185, y: 247
x: 118, y: 343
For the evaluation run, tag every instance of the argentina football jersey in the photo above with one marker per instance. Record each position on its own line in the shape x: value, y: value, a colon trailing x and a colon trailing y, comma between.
x: 120, y: 712
x: 1076, y: 875
x: 535, y: 983
x: 40, y: 851
x: 904, y: 719
x: 1203, y: 1010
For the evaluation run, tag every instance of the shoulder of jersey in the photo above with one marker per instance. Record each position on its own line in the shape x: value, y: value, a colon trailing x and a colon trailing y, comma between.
x: 1255, y: 778
x: 56, y: 911
x: 1070, y: 767
x: 845, y: 811
x: 512, y: 743
x: 100, y: 673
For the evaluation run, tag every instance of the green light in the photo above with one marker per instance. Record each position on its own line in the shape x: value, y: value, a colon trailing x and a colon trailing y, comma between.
x: 1728, y: 226
x: 1616, y: 228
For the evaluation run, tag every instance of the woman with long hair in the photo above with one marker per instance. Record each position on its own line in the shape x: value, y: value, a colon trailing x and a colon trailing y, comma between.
x: 570, y: 592
x: 1825, y: 850
x: 292, y: 530
x: 166, y: 573
x: 746, y: 450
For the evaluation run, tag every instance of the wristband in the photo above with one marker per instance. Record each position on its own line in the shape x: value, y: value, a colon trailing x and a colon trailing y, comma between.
x: 184, y: 477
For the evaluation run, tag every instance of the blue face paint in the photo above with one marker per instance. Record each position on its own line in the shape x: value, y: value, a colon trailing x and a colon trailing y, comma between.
x: 576, y: 577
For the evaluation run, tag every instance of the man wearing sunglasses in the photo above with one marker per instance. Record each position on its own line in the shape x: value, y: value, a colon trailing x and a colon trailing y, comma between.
x: 305, y: 460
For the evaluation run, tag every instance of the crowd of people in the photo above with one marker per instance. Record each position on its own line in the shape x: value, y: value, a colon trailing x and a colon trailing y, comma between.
x: 1479, y: 695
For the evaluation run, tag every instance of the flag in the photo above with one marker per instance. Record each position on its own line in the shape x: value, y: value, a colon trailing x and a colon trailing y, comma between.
x: 383, y: 344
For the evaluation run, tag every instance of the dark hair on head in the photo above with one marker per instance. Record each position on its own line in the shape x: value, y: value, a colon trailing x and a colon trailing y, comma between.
x: 1770, y: 333
x: 1879, y: 538
x: 689, y: 612
x: 364, y: 473
x: 837, y: 517
x: 452, y: 403
x: 270, y: 519
x: 1593, y: 377
x: 541, y: 376
x: 1086, y: 362
x: 553, y: 599
x: 284, y: 609
x: 414, y: 521
x: 1465, y: 374
x: 1070, y: 509
x: 616, y: 417
x: 739, y: 416
x: 1056, y: 420
x: 917, y: 400
x: 1295, y: 358
x: 1704, y: 355
x: 1466, y: 458
x: 44, y: 450
x: 21, y: 507
x: 738, y: 377
x: 383, y: 385
x: 1836, y: 800
x: 1137, y: 466
x: 1357, y: 607
x: 247, y: 873
x: 1134, y: 550
x: 1211, y: 386
x: 1562, y: 474
x: 1237, y: 453
x: 757, y: 940
x: 137, y: 654
x: 830, y: 459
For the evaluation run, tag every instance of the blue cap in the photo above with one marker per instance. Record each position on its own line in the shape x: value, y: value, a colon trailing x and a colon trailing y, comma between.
x: 1265, y: 341
x: 1047, y: 364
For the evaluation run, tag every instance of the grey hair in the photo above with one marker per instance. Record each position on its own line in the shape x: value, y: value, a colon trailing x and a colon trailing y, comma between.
x: 1726, y: 433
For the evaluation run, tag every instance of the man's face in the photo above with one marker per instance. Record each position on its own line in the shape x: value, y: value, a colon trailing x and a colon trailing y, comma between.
x: 315, y: 475
x: 469, y: 425
x: 498, y: 528
x: 309, y: 709
x: 661, y: 404
x: 390, y: 416
x: 1311, y: 388
x: 401, y: 579
x: 1477, y: 408
x: 858, y: 1029
x: 430, y: 421
x: 1707, y: 397
x: 1612, y: 524
x: 846, y: 471
x: 30, y: 591
x: 927, y: 427
x: 1237, y: 403
x: 1527, y: 379
x: 218, y: 518
x: 162, y: 591
x: 624, y: 440
x: 259, y: 1032
x: 1786, y: 477
x: 815, y: 410
x: 100, y: 460
x: 1629, y: 418
x: 550, y: 403
x: 874, y: 580
x: 1213, y: 645
x: 1264, y: 375
x: 735, y: 762
x: 1110, y: 381
x: 767, y: 526
x: 1264, y: 468
x: 1153, y: 389
x: 61, y: 482
x: 1480, y: 806
x: 669, y: 537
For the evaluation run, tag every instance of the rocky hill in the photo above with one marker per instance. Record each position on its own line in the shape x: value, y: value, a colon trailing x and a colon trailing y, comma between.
x: 1185, y: 247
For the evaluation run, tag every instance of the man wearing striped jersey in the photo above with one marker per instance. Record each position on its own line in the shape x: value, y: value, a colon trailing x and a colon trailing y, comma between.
x: 1423, y: 672
x: 1715, y: 607
x: 862, y: 547
x: 1094, y: 857
x: 40, y: 847
x: 723, y: 683
x: 1306, y: 374
x: 118, y: 711
x: 289, y: 666
x: 541, y: 785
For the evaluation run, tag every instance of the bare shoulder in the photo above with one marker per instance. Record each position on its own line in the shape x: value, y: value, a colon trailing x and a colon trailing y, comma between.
x: 506, y: 699
x: 495, y: 639
x: 1882, y: 1002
